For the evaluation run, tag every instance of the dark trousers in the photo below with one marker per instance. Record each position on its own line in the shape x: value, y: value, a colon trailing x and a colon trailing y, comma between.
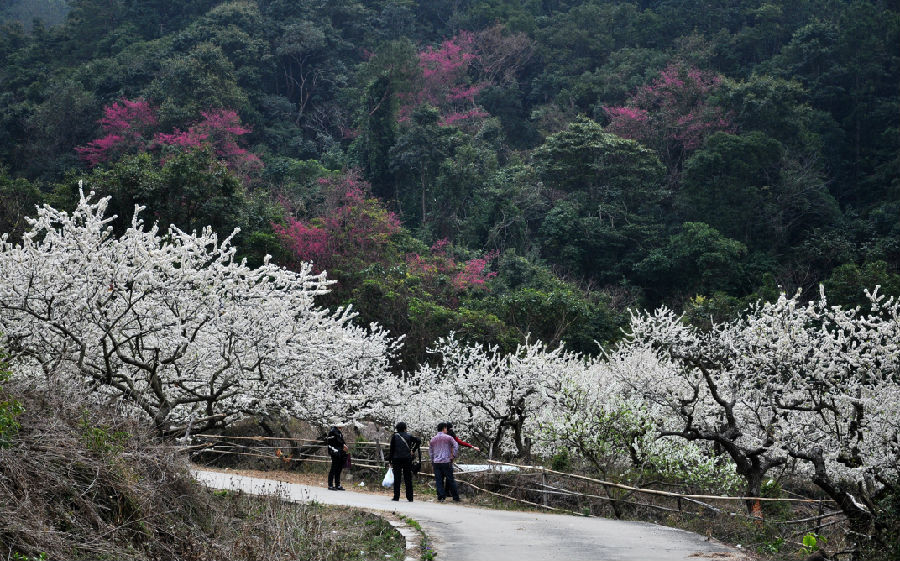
x: 334, y: 474
x: 402, y: 470
x: 444, y: 473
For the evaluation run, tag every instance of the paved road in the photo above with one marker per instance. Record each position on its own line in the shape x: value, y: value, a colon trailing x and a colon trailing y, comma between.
x: 465, y: 533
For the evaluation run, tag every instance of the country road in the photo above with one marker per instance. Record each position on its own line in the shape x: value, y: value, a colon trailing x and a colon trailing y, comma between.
x: 466, y: 533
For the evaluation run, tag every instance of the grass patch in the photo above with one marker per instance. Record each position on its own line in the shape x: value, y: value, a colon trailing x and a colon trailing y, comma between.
x: 247, y: 527
x: 78, y: 482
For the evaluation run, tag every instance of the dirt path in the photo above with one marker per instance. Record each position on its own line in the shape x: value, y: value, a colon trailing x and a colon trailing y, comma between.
x: 465, y: 533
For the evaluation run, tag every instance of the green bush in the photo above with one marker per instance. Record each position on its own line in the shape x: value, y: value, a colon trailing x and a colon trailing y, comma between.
x: 887, y: 545
x: 10, y: 409
x: 560, y: 461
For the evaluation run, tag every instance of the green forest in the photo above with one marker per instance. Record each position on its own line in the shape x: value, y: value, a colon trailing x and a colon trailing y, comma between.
x: 500, y: 169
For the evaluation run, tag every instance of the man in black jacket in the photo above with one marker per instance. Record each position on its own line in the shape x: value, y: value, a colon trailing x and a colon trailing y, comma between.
x: 338, y: 450
x: 400, y: 456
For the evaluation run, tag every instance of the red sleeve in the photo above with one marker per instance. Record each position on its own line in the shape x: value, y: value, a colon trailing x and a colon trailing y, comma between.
x: 462, y: 443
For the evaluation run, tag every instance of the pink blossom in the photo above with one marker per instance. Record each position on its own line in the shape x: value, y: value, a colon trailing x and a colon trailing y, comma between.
x: 671, y: 114
x: 184, y: 139
x: 99, y: 150
x: 446, y: 82
x: 353, y: 232
x: 451, y: 118
x: 125, y: 116
x: 465, y: 93
x: 129, y: 126
x: 441, y: 246
x: 473, y: 273
x: 219, y: 129
x: 307, y: 242
x: 126, y: 122
x: 225, y: 120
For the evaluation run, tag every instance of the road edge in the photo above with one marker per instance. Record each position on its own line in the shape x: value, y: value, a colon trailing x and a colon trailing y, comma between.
x: 412, y: 536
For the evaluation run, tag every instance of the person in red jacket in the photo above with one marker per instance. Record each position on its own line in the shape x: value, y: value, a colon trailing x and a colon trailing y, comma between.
x: 458, y: 440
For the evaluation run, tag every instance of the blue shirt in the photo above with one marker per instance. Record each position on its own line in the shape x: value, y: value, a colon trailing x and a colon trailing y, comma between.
x: 443, y: 448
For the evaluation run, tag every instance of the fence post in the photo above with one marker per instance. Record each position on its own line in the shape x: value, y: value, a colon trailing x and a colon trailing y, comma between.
x: 380, y: 452
x: 187, y: 432
x: 819, y: 521
x: 544, y: 486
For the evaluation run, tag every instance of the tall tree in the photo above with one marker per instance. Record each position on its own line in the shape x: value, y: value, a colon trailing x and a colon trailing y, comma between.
x: 610, y: 199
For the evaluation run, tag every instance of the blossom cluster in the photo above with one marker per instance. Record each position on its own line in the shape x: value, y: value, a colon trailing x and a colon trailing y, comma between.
x: 131, y: 127
x: 792, y: 384
x: 127, y: 124
x: 672, y: 114
x: 446, y: 82
x: 471, y: 274
x: 354, y: 232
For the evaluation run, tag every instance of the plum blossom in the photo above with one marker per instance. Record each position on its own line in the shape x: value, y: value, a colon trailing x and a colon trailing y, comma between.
x: 171, y: 325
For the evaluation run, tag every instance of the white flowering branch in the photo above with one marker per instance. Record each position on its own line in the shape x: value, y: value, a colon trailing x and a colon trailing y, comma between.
x: 175, y: 326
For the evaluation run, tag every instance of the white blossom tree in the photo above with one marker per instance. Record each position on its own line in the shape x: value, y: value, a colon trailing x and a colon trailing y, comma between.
x: 175, y: 326
x: 701, y: 393
x: 595, y: 413
x: 790, y: 380
x: 833, y: 379
x: 495, y: 397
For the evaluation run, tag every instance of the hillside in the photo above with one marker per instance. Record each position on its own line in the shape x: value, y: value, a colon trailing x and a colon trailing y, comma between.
x: 78, y: 482
x: 489, y: 168
x: 652, y: 243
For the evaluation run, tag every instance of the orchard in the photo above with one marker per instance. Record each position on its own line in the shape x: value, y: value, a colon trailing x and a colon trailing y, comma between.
x: 169, y: 325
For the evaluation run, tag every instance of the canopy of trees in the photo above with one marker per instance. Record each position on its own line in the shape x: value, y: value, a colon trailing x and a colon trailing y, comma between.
x: 603, y: 154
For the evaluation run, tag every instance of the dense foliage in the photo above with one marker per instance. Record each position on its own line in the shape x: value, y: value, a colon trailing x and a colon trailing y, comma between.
x: 593, y: 154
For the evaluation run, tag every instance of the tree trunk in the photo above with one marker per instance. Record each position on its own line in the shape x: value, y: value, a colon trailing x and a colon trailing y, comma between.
x: 753, y: 489
x: 859, y: 517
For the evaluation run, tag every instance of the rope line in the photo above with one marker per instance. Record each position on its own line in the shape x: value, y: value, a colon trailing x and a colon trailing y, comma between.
x: 655, y: 491
x: 542, y: 488
x: 537, y: 470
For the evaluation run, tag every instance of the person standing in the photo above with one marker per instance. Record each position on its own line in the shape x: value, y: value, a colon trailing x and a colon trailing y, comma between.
x: 400, y: 456
x: 443, y: 449
x: 338, y: 450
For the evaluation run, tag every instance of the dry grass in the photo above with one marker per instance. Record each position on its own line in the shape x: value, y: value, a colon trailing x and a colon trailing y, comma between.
x: 79, y: 483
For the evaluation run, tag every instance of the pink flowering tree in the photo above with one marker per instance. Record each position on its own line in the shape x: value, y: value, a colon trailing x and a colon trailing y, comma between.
x: 446, y: 82
x: 131, y: 127
x: 441, y: 274
x: 474, y: 273
x: 672, y: 114
x: 219, y: 129
x: 128, y: 125
x: 352, y: 232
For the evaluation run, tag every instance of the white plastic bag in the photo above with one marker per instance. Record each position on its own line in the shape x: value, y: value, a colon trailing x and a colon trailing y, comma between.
x: 388, y: 479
